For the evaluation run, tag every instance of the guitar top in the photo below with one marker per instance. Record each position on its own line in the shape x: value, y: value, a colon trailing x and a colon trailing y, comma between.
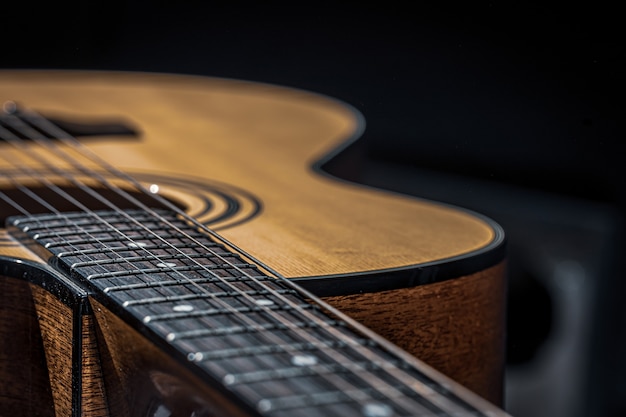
x: 167, y: 217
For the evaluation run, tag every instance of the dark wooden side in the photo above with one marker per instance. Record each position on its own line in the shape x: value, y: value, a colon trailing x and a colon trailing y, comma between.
x: 455, y: 326
x: 122, y: 373
x: 57, y: 323
x: 24, y: 380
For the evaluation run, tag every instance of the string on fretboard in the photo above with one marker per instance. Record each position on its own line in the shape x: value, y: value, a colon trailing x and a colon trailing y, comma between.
x: 277, y: 347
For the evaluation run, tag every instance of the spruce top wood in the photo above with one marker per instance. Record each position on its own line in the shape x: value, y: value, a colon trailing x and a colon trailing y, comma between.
x: 239, y: 157
x: 265, y: 140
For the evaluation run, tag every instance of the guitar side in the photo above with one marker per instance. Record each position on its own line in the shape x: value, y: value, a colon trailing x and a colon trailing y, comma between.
x: 383, y: 258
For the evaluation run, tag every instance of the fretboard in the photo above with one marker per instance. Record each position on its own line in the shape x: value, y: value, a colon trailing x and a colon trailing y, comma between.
x: 257, y: 336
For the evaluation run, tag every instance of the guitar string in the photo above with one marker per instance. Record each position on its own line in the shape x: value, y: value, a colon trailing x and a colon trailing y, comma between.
x: 305, y: 312
x: 342, y: 383
x: 313, y: 318
x: 344, y: 387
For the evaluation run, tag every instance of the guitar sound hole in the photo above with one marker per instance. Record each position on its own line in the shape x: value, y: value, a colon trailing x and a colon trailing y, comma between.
x: 45, y: 200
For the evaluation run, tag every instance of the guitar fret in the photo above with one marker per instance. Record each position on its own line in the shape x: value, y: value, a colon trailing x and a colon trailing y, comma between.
x: 42, y: 218
x: 156, y: 284
x: 129, y: 240
x: 52, y: 222
x: 250, y: 329
x: 71, y: 219
x: 186, y: 297
x: 148, y: 271
x: 365, y: 401
x: 93, y: 251
x: 331, y: 345
x: 325, y: 398
x: 130, y: 259
x: 314, y: 370
x: 79, y: 232
x: 76, y: 242
x: 74, y: 223
x: 146, y: 247
x: 222, y: 311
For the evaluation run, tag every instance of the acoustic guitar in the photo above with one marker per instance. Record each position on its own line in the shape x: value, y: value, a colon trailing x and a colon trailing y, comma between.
x: 173, y: 247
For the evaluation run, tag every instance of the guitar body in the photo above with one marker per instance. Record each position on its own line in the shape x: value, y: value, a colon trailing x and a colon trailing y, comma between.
x: 243, y: 159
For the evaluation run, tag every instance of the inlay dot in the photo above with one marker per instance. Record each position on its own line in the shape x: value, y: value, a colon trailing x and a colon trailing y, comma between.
x: 195, y: 357
x: 304, y: 360
x: 135, y: 245
x: 263, y: 302
x: 166, y: 264
x: 264, y: 406
x: 183, y: 308
x: 377, y: 410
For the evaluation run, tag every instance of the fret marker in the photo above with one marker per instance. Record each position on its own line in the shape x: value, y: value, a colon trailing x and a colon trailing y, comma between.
x: 264, y: 406
x: 263, y: 302
x: 154, y: 189
x: 166, y: 264
x: 135, y: 245
x: 304, y: 360
x: 9, y: 107
x: 183, y: 308
x: 377, y: 410
x: 195, y: 357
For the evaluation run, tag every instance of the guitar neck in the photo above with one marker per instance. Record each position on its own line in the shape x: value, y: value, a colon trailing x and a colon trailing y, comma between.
x: 260, y: 339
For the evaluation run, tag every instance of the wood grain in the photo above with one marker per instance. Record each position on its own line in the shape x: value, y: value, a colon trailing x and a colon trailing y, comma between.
x: 264, y: 140
x: 455, y: 326
x: 56, y: 325
x: 94, y: 397
x: 24, y: 382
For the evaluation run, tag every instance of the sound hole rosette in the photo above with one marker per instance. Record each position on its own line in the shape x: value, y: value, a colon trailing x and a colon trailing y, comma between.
x: 215, y: 204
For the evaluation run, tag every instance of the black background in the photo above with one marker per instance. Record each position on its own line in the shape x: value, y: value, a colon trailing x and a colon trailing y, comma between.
x: 465, y: 102
x: 529, y: 95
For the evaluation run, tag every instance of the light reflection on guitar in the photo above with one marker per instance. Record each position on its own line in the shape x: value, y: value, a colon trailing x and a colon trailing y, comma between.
x: 127, y: 306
